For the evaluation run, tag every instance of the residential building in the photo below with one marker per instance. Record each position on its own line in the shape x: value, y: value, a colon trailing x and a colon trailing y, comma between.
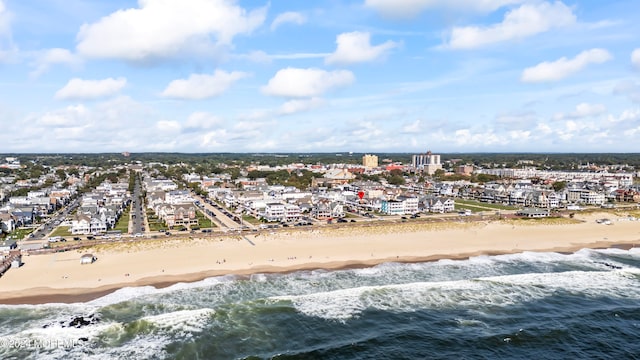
x: 370, y: 161
x: 427, y: 162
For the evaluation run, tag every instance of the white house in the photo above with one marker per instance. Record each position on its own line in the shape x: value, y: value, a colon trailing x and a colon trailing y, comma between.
x: 274, y: 212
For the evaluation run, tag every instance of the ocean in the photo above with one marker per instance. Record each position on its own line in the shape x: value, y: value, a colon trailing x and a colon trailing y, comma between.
x: 583, y: 305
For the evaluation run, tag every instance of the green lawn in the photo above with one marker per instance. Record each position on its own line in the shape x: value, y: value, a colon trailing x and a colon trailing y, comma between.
x: 459, y: 207
x: 203, y: 221
x: 485, y: 205
x: 251, y: 220
x: 19, y: 234
x: 62, y: 231
x: 123, y: 222
x: 155, y: 223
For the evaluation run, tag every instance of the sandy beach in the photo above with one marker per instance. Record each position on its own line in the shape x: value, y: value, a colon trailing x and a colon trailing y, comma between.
x: 60, y: 277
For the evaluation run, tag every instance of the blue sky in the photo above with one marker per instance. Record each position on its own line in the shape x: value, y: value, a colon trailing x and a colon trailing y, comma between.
x: 319, y: 76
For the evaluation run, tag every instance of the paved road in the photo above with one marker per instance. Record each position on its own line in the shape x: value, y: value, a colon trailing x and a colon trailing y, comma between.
x: 220, y: 218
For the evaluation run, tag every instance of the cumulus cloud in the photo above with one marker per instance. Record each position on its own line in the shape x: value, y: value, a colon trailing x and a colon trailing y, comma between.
x: 8, y: 50
x: 168, y: 126
x: 635, y: 58
x: 159, y: 29
x: 411, y: 8
x: 629, y: 88
x: 466, y: 137
x: 355, y: 47
x: 525, y: 21
x: 311, y: 82
x: 78, y: 89
x: 55, y: 56
x: 288, y: 17
x: 516, y: 121
x: 68, y: 117
x: 5, y: 19
x: 202, y: 86
x: 299, y: 105
x: 582, y: 110
x: 201, y: 120
x: 415, y: 127
x: 563, y: 67
x: 629, y: 115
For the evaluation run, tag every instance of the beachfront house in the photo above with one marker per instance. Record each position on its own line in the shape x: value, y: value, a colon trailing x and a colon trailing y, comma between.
x: 274, y: 212
x: 533, y: 213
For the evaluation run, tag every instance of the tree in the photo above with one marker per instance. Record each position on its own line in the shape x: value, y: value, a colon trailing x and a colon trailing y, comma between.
x: 61, y: 174
x: 559, y: 185
x: 396, y: 180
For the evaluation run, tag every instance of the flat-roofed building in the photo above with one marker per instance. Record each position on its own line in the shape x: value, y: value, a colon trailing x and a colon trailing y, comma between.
x: 370, y: 161
x: 427, y: 162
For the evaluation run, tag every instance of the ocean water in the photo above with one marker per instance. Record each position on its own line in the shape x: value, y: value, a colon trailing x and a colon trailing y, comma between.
x: 584, y: 305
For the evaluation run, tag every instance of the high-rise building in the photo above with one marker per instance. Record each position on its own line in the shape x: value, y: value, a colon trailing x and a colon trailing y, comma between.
x: 427, y: 162
x: 370, y: 161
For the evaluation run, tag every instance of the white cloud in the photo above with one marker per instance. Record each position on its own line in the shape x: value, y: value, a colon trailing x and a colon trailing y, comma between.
x: 299, y: 105
x: 525, y: 21
x: 202, y: 86
x: 8, y: 50
x: 288, y: 17
x: 311, y: 82
x: 355, y: 47
x: 629, y: 115
x: 415, y: 127
x: 563, y: 67
x: 635, y: 58
x: 583, y: 110
x: 201, y: 120
x: 161, y: 29
x: 90, y: 89
x: 168, y: 127
x: 629, y: 88
x: 70, y: 116
x: 5, y: 19
x: 53, y: 57
x: 411, y: 8
x: 465, y: 137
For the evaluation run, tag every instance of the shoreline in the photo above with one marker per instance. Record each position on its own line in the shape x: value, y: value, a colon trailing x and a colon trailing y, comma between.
x: 188, y: 261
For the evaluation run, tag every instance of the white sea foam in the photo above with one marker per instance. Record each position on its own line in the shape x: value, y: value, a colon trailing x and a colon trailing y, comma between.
x: 183, y: 321
x: 129, y: 293
x: 501, y: 290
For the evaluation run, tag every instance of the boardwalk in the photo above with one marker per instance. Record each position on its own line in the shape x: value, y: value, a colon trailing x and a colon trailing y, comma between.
x: 6, y: 263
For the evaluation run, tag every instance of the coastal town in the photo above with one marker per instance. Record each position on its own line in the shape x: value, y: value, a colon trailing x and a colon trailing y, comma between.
x: 68, y: 204
x: 110, y: 220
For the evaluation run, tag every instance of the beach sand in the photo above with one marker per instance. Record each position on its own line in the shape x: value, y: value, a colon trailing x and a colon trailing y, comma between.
x: 60, y: 277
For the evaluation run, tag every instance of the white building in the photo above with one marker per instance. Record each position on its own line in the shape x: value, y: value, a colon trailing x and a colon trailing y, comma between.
x: 274, y: 212
x: 428, y: 162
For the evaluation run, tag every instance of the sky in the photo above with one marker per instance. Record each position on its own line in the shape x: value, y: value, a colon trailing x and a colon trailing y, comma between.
x: 319, y: 76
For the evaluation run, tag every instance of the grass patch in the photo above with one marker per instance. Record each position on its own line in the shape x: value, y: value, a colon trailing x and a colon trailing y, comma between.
x: 123, y: 222
x: 20, y: 233
x: 490, y: 206
x: 251, y: 220
x: 459, y: 207
x: 203, y: 221
x: 155, y: 223
x: 61, y: 231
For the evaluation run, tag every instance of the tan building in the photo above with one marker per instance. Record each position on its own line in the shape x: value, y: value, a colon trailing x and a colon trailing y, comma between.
x: 464, y: 170
x: 370, y: 161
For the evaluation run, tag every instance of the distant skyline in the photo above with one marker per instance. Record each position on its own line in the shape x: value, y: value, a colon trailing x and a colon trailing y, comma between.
x: 368, y: 76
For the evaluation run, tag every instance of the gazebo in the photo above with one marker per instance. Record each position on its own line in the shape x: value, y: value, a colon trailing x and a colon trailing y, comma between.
x: 87, y: 259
